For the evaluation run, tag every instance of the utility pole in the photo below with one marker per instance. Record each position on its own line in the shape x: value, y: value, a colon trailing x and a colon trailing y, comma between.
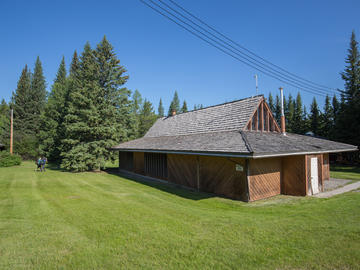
x: 256, y: 83
x: 11, y: 130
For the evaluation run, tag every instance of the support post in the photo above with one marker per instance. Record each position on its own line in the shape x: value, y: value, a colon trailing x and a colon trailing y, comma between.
x: 198, y: 172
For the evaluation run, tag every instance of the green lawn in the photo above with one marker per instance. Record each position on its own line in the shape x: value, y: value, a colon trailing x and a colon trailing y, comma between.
x: 345, y: 172
x: 59, y: 220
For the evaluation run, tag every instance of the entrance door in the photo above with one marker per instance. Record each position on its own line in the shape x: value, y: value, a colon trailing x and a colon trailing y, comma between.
x: 314, y: 176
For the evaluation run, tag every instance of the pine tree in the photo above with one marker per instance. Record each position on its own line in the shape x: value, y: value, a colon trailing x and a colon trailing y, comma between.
x: 51, y: 133
x: 314, y: 117
x: 271, y: 102
x: 98, y: 110
x: 298, y: 123
x: 277, y: 111
x: 4, y: 122
x: 184, y: 107
x: 25, y: 118
x: 37, y: 95
x: 147, y: 117
x: 289, y: 113
x: 175, y: 104
x: 327, y: 119
x: 160, y: 109
x: 136, y: 105
x: 348, y: 122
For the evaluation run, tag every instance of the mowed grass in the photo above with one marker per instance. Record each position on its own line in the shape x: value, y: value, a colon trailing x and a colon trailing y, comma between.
x: 345, y: 172
x: 59, y: 220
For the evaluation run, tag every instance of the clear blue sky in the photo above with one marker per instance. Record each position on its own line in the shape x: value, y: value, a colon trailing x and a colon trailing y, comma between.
x: 309, y: 38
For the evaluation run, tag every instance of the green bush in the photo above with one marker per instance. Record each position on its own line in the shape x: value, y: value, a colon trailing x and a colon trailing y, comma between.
x: 7, y: 160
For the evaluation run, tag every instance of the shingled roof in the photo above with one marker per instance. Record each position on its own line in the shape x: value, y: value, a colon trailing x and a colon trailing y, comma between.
x: 221, y: 130
x: 224, y: 117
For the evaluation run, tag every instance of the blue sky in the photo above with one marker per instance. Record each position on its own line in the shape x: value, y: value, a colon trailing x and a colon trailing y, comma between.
x: 308, y: 38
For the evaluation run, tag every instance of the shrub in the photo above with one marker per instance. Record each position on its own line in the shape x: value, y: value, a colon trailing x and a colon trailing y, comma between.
x: 7, y: 160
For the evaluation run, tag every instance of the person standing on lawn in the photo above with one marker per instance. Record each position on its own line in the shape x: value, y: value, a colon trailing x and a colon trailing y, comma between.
x: 43, y: 162
x: 38, y: 163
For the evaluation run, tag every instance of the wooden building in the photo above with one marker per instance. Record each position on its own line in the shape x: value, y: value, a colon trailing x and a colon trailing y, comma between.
x: 235, y: 149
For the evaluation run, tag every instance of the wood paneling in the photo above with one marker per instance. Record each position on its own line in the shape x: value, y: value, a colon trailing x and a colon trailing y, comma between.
x: 326, y: 167
x: 262, y: 119
x: 139, y: 162
x: 219, y: 175
x: 182, y: 169
x: 293, y: 180
x: 264, y: 178
x: 155, y: 165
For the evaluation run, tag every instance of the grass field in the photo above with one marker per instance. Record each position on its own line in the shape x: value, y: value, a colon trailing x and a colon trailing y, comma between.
x: 59, y: 220
x: 345, y: 172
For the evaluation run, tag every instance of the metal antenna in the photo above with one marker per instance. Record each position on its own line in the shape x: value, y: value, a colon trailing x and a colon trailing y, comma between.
x: 256, y: 83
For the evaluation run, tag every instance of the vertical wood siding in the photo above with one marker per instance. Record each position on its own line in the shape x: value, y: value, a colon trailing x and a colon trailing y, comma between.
x: 155, y: 165
x: 264, y: 178
x: 139, y: 162
x: 294, y: 176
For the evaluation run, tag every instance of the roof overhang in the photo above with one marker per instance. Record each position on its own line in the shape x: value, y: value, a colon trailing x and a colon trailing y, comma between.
x: 240, y: 155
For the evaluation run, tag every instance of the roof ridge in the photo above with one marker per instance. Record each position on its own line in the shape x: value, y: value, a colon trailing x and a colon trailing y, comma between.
x: 211, y: 106
x: 195, y: 133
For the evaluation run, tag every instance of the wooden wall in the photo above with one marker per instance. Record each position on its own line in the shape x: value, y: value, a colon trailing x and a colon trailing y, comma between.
x: 293, y: 180
x: 182, y: 169
x: 219, y: 175
x: 326, y: 167
x: 216, y: 175
x: 139, y: 162
x: 264, y: 178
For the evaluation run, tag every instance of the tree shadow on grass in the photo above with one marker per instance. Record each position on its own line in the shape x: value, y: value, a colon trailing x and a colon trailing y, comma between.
x: 178, y: 190
x: 343, y: 168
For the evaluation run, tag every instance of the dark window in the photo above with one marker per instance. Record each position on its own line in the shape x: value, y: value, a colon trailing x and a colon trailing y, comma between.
x: 156, y: 165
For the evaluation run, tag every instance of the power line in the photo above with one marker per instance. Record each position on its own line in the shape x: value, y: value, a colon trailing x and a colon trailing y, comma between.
x: 247, y: 50
x: 231, y: 53
x: 244, y: 55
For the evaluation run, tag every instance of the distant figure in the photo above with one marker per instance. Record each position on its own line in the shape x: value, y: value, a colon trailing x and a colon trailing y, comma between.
x: 43, y: 162
x: 38, y: 163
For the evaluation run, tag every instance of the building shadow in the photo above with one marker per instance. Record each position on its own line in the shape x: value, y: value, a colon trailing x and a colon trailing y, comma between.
x: 172, y: 188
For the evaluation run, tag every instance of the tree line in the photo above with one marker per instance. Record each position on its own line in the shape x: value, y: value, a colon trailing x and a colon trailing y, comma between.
x: 88, y: 110
x: 339, y: 119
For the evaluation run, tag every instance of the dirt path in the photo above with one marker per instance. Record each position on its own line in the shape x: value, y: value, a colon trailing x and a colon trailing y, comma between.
x: 337, y: 191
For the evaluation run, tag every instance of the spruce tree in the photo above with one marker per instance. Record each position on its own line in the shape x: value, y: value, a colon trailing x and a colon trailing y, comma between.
x: 136, y: 105
x: 4, y: 122
x: 327, y: 119
x: 161, y: 109
x: 174, y: 105
x: 298, y: 123
x: 289, y: 113
x: 184, y: 107
x: 98, y: 109
x: 271, y: 103
x: 147, y: 117
x: 37, y: 95
x: 314, y: 118
x: 51, y: 133
x: 348, y: 121
x: 277, y: 111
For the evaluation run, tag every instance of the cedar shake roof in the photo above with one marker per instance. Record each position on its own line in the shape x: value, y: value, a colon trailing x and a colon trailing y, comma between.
x: 224, y: 117
x: 221, y: 130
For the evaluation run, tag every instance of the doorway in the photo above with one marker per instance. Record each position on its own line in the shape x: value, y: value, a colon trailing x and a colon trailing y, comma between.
x: 314, y: 175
